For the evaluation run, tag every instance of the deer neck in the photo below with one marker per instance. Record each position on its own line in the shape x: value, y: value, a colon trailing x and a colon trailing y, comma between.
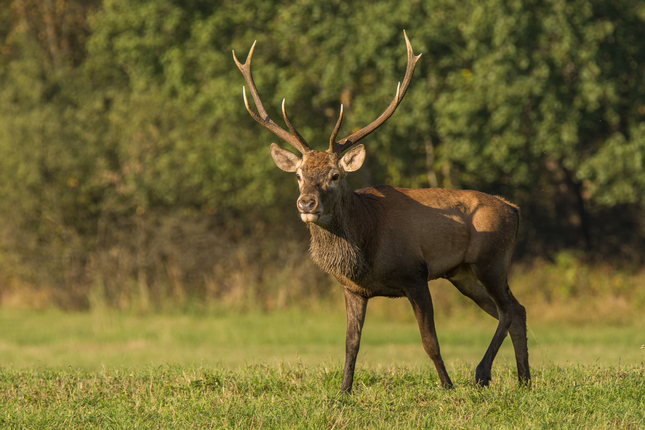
x: 341, y: 247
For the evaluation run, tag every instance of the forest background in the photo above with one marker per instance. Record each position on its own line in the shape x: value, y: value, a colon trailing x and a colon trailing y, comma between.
x: 132, y: 176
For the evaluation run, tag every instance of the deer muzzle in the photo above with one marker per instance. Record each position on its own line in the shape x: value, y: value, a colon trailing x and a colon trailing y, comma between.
x: 308, y: 208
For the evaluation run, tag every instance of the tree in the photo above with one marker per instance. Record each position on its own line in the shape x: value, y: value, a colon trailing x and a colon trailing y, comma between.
x: 123, y: 136
x: 544, y: 106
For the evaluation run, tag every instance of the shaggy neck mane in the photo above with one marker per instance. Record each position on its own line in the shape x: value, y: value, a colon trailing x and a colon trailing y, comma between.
x: 342, y: 247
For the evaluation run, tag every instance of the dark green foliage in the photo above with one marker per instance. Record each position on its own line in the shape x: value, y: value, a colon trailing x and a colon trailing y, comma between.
x: 128, y: 163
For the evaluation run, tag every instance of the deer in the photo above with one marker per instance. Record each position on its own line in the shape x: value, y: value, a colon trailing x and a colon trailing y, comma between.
x: 390, y: 242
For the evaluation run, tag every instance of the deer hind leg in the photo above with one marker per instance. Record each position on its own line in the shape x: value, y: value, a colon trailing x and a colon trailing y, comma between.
x: 421, y: 302
x: 468, y: 285
x: 510, y: 313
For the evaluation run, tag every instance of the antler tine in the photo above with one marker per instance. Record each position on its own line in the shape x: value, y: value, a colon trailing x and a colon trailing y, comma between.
x: 295, y: 139
x: 401, y: 89
x: 332, y: 139
x: 293, y: 129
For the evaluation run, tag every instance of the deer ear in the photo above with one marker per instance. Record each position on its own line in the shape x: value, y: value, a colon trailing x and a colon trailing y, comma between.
x: 353, y: 159
x: 285, y: 160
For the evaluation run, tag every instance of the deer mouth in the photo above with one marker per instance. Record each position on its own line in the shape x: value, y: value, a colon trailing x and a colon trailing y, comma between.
x: 309, y: 216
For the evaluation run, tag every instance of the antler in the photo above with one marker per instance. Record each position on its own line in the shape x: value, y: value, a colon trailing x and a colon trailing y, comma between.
x: 348, y: 142
x: 294, y: 138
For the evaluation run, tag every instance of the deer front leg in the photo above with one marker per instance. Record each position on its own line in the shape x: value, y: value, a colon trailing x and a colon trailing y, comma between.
x: 424, y: 312
x: 355, y: 306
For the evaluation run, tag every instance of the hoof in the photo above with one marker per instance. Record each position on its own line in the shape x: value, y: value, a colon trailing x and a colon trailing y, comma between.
x: 483, y: 382
x: 482, y: 378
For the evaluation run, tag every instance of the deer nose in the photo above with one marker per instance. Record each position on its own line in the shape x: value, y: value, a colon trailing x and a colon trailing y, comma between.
x: 307, y: 204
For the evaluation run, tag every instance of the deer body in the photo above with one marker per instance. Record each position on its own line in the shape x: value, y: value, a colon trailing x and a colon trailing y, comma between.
x: 383, y: 234
x: 388, y: 241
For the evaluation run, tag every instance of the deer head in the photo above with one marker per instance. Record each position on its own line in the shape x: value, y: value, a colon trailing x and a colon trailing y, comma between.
x: 321, y: 174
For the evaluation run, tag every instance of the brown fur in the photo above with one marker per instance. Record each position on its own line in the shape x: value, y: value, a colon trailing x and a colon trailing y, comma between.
x: 388, y: 241
x: 343, y: 248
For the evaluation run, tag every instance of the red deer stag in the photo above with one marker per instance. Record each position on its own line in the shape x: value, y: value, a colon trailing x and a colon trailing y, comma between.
x: 388, y: 241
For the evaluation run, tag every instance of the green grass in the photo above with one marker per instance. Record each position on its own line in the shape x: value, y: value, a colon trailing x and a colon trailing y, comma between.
x: 283, y: 370
x: 281, y: 396
x: 92, y: 341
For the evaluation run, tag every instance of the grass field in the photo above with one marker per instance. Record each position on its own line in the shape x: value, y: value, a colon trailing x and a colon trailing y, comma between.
x: 282, y: 396
x: 283, y: 370
x: 92, y: 341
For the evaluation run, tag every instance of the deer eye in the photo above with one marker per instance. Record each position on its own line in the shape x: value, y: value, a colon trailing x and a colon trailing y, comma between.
x: 335, y: 177
x: 298, y: 177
